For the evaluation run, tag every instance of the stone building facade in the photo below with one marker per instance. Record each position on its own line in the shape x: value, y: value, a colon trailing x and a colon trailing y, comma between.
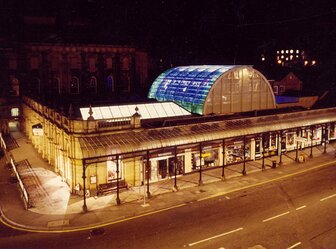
x: 40, y: 69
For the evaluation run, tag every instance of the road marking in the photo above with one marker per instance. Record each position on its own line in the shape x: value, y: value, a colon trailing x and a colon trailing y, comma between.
x: 214, y: 237
x: 276, y: 216
x: 304, y: 206
x: 295, y: 245
x: 328, y: 197
x: 58, y: 223
x: 7, y: 222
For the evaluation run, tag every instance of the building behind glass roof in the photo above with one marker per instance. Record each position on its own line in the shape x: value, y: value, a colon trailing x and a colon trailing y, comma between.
x: 212, y: 89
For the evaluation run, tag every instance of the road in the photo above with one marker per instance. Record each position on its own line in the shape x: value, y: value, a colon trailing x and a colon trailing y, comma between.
x: 298, y: 212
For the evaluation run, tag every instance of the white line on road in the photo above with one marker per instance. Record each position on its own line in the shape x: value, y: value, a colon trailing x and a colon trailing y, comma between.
x: 328, y: 197
x: 214, y: 237
x: 295, y: 245
x: 276, y: 216
x: 304, y: 206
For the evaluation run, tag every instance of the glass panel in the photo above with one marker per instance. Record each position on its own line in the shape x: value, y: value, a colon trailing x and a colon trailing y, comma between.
x: 84, y: 112
x: 143, y: 112
x: 124, y: 111
x: 187, y: 86
x: 115, y: 112
x: 152, y: 111
x: 96, y: 113
x: 106, y: 113
x: 169, y: 108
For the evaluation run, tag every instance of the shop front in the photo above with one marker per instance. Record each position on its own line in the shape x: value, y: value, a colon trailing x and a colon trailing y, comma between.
x: 234, y: 151
x: 162, y: 166
x: 209, y: 156
x: 269, y: 143
x: 332, y: 131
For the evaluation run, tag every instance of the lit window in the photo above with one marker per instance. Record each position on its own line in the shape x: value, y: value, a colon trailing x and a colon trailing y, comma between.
x: 287, y: 51
x: 286, y: 58
x: 297, y: 56
x: 276, y: 90
x: 291, y: 57
x: 282, y: 51
x: 297, y: 51
x: 291, y: 51
x: 279, y: 61
x: 15, y: 112
x: 313, y: 62
x: 278, y: 52
x: 305, y: 63
x: 282, y: 56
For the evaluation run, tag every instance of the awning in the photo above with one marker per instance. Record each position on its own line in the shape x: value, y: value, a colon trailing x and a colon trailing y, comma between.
x: 147, y: 139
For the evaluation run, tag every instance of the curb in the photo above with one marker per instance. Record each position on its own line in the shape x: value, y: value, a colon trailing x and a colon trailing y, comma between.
x: 14, y: 225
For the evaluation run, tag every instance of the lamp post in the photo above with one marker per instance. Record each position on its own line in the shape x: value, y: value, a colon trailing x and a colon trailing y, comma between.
x: 280, y: 146
x: 244, y: 147
x: 311, y: 141
x: 200, y: 182
x: 84, y: 187
x: 223, y: 154
x: 263, y: 141
x: 118, y: 199
x: 147, y: 174
x: 175, y: 169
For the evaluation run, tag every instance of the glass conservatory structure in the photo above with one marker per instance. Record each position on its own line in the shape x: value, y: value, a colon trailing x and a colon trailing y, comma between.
x: 210, y: 89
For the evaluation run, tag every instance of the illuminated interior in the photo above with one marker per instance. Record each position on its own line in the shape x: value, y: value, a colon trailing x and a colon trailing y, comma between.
x: 147, y: 111
x: 214, y: 89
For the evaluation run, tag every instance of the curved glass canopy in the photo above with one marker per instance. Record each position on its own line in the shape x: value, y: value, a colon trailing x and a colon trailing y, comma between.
x: 187, y: 85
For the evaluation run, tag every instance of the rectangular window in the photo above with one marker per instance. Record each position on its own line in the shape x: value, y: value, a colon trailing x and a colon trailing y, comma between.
x: 15, y: 112
x: 109, y: 63
x: 92, y: 65
x: 34, y: 63
x: 276, y: 90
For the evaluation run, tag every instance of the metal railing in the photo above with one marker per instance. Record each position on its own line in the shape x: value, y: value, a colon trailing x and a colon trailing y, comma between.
x: 22, y: 188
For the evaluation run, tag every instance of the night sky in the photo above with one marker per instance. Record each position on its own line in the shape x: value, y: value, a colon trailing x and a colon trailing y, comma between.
x: 184, y: 32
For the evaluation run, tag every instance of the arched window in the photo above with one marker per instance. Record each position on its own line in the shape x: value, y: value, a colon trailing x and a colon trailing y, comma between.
x: 56, y: 85
x: 74, y: 85
x: 110, y: 83
x: 93, y: 84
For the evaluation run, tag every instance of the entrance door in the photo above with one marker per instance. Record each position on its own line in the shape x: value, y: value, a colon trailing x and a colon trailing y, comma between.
x: 163, y: 168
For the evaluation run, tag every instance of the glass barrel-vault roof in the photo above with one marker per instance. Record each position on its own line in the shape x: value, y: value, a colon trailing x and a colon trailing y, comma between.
x: 187, y: 85
x: 147, y: 111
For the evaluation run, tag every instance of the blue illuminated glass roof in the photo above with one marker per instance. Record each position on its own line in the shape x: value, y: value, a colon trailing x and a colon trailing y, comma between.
x: 187, y: 86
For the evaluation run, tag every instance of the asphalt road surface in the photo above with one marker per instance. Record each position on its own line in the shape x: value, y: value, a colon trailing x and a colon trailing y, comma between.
x: 298, y: 212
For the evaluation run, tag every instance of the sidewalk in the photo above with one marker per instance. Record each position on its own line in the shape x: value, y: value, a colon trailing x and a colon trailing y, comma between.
x: 56, y: 210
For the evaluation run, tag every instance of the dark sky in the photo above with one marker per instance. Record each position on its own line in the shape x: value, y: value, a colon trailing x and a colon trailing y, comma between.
x: 217, y: 31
